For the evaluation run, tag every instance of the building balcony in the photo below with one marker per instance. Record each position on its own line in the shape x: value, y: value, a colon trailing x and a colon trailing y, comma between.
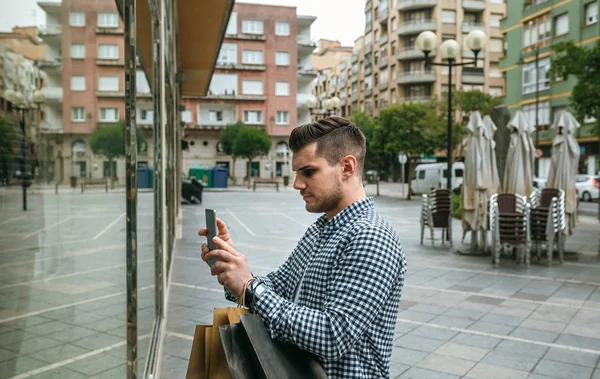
x: 383, y: 16
x: 383, y: 62
x: 111, y: 94
x: 343, y: 102
x: 354, y: 58
x: 382, y: 86
x: 473, y: 75
x: 307, y: 74
x: 470, y: 26
x: 343, y: 83
x: 469, y: 54
x: 332, y: 89
x: 51, y: 30
x: 110, y: 31
x: 233, y: 96
x: 343, y: 66
x: 354, y: 77
x: 50, y: 65
x: 368, y: 70
x: 405, y: 5
x: 416, y: 26
x: 412, y: 52
x: 368, y: 26
x: 368, y: 92
x: 354, y: 97
x: 52, y: 94
x: 416, y: 77
x: 473, y: 5
x: 301, y: 99
x: 241, y: 66
x: 415, y: 99
x: 368, y: 48
x: 110, y: 62
x: 368, y: 5
x: 383, y: 39
x: 247, y: 37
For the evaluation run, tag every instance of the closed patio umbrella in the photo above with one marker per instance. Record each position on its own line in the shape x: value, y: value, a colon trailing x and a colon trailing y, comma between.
x: 565, y: 158
x: 518, y: 173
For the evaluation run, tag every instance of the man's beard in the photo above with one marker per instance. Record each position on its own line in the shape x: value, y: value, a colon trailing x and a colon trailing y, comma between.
x: 328, y: 203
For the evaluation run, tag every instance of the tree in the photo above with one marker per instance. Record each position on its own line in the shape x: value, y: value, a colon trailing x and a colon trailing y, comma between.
x: 581, y: 63
x: 463, y: 103
x: 367, y: 125
x: 412, y: 129
x: 251, y: 143
x: 9, y: 133
x: 109, y: 140
x: 228, y: 136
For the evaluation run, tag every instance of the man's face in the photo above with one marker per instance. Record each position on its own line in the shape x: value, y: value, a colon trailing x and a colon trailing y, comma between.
x: 319, y: 183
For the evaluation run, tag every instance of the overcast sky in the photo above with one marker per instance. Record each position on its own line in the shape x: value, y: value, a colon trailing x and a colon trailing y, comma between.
x: 341, y: 20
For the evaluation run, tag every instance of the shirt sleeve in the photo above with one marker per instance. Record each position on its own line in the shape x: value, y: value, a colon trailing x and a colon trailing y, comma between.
x: 365, y: 275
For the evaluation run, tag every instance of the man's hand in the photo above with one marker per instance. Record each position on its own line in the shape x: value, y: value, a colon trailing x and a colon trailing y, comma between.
x: 222, y: 232
x: 231, y: 268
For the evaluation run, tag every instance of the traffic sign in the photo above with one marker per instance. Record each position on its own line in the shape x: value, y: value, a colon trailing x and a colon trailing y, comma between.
x: 402, y: 158
x: 539, y: 153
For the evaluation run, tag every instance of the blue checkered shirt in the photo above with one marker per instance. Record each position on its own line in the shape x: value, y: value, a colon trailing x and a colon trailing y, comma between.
x: 346, y: 309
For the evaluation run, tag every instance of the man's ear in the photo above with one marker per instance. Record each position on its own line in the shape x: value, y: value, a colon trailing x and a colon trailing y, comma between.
x: 349, y: 166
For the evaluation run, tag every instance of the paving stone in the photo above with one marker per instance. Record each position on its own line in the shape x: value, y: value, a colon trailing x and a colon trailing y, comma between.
x: 485, y: 300
x: 48, y: 328
x: 469, y: 314
x: 522, y: 348
x: 578, y: 341
x: 515, y: 361
x: 462, y: 351
x: 487, y: 371
x: 534, y: 334
x: 59, y: 353
x: 420, y: 373
x: 97, y: 341
x: 555, y: 327
x: 59, y: 373
x: 530, y: 296
x: 502, y: 319
x: 401, y: 327
x: 178, y: 347
x: 553, y: 314
x: 6, y: 355
x: 447, y: 364
x: 476, y: 340
x: 19, y: 365
x: 96, y: 364
x: 487, y: 327
x: 596, y: 374
x: 32, y: 345
x: 573, y: 357
x: 408, y: 357
x: 397, y: 369
x: 458, y: 287
x: 434, y: 333
x: 429, y: 308
x: 415, y: 316
x: 173, y: 367
x: 74, y: 333
x: 562, y: 370
x: 418, y: 343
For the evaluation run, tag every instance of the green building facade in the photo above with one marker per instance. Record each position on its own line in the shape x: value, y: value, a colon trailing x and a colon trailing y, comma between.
x: 530, y: 29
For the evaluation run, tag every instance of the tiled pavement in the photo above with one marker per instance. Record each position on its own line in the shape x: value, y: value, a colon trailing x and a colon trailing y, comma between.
x: 459, y: 316
x: 62, y: 285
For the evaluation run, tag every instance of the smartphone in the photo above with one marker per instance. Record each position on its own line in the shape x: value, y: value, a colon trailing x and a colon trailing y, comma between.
x: 211, y: 226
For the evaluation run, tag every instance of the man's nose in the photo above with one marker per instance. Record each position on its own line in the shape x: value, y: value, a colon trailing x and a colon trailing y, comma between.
x: 298, y: 183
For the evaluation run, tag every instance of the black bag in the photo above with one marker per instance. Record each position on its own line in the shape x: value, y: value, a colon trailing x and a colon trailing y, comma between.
x: 252, y: 354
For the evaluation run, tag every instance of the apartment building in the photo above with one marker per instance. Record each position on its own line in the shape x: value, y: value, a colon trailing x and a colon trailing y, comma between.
x: 263, y: 78
x: 329, y: 53
x: 531, y: 27
x: 84, y: 86
x: 387, y: 68
x: 24, y: 41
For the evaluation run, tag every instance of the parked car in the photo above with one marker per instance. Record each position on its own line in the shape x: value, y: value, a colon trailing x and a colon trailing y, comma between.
x: 433, y: 175
x: 588, y: 187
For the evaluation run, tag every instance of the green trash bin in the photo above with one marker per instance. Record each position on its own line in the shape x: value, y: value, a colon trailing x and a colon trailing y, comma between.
x: 203, y: 174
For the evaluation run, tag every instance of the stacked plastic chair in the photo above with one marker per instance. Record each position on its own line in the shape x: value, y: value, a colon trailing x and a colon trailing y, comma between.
x: 509, y: 224
x: 548, y: 220
x: 436, y: 212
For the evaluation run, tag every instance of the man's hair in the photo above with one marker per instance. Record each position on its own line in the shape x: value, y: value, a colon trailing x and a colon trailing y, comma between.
x: 336, y: 137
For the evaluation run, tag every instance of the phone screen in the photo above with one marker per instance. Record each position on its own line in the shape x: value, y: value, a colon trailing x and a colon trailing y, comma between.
x: 211, y: 226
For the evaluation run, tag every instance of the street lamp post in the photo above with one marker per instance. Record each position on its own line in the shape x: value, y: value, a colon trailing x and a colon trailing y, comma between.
x: 537, y: 101
x: 330, y: 106
x: 449, y: 51
x: 19, y: 101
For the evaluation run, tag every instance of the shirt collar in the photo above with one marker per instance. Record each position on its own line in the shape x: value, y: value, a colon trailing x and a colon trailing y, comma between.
x: 346, y: 215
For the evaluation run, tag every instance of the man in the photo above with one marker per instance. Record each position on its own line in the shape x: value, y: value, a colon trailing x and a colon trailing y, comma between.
x: 337, y: 294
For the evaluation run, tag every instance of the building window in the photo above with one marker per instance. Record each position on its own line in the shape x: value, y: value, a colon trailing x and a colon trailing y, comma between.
x: 496, y: 45
x: 145, y: 116
x: 108, y: 84
x: 252, y: 27
x: 495, y: 20
x: 223, y: 84
x: 77, y: 19
x: 283, y: 118
x: 109, y: 114
x: 228, y: 54
x: 448, y: 17
x: 77, y: 50
x: 282, y: 58
x: 108, y: 20
x: 253, y: 117
x: 282, y: 28
x: 557, y: 111
x: 282, y: 89
x: 141, y: 83
x: 495, y: 70
x: 108, y: 51
x: 187, y: 116
x: 543, y: 113
x: 77, y: 83
x: 77, y: 114
x: 252, y: 87
x: 232, y: 25
x: 215, y: 115
x: 591, y: 13
x: 561, y: 24
x: 537, y: 31
x: 530, y: 76
x: 252, y: 57
x: 495, y: 91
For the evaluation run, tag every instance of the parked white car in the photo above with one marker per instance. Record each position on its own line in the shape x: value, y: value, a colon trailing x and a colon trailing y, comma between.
x: 433, y: 175
x: 588, y: 187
